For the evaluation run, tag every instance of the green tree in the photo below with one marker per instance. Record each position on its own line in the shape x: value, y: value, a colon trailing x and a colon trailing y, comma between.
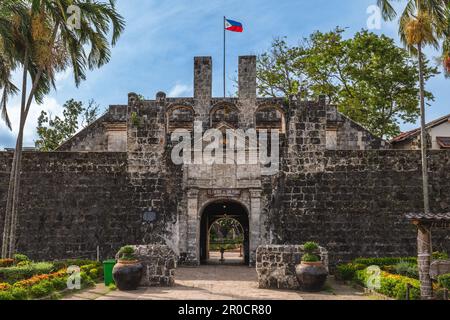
x: 423, y: 23
x: 52, y: 132
x: 281, y: 71
x: 8, y: 8
x: 6, y: 86
x: 369, y: 78
x: 90, y: 113
x: 37, y: 38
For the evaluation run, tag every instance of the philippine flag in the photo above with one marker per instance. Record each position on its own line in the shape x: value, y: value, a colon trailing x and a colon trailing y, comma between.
x: 234, y: 26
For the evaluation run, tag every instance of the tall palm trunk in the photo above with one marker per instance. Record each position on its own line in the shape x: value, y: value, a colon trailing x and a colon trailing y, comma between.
x: 12, y: 211
x: 16, y: 187
x: 14, y: 180
x: 424, y: 236
x: 7, y: 220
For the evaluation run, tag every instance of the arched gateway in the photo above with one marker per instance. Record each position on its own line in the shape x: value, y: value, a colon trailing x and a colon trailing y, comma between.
x: 206, y: 205
x: 220, y: 210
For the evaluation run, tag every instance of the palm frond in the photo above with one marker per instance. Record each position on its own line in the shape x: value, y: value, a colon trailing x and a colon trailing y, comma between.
x: 387, y: 10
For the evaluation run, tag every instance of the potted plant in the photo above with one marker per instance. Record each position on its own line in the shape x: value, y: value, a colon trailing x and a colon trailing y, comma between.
x: 127, y: 272
x: 311, y: 273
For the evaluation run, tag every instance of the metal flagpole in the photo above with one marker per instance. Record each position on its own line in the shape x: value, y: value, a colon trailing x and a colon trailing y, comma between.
x: 224, y: 59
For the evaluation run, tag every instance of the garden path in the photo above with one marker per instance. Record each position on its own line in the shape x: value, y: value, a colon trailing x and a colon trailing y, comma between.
x: 215, y: 282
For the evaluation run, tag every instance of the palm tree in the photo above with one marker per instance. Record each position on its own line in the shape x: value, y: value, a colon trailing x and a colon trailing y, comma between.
x: 7, y: 63
x: 422, y: 23
x: 43, y: 43
x: 8, y: 88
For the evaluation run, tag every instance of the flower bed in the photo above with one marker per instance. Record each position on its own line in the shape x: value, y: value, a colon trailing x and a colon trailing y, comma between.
x: 396, y: 275
x: 6, y: 263
x: 20, y: 272
x: 46, y: 285
x: 391, y: 285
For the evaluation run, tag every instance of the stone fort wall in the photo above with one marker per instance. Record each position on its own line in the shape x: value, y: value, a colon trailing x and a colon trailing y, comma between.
x: 355, y: 206
x: 70, y: 203
x: 351, y: 202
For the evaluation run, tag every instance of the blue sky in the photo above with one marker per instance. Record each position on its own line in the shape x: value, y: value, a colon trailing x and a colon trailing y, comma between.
x: 161, y: 38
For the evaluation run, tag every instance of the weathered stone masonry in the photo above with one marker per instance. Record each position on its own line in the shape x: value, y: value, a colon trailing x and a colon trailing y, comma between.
x: 355, y: 206
x: 349, y: 195
x: 70, y: 203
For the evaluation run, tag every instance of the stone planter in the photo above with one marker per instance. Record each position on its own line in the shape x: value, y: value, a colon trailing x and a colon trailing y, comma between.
x: 127, y: 274
x: 311, y: 276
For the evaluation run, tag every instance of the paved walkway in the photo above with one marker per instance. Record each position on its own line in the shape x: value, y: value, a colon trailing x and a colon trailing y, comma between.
x: 230, y: 257
x: 220, y: 283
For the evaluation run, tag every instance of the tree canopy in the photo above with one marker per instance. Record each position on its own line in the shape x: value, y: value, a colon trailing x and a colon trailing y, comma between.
x: 369, y: 78
x: 53, y: 131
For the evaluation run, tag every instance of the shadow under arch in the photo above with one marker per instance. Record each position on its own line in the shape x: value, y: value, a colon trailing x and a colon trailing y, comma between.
x: 219, y: 209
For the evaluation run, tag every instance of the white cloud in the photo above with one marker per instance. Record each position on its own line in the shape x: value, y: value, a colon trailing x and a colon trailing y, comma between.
x: 50, y: 105
x: 179, y: 90
x: 61, y: 77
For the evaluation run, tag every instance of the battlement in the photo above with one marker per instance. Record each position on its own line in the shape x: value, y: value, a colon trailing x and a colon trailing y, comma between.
x: 203, y: 78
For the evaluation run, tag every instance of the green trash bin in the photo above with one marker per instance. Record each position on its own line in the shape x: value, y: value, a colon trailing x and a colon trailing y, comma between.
x: 108, y: 266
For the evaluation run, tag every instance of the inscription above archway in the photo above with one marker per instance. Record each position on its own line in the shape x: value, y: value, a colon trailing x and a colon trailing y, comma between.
x: 212, y: 193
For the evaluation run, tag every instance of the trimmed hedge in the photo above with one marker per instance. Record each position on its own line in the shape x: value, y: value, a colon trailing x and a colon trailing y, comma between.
x: 17, y: 273
x: 392, y: 285
x: 347, y: 271
x: 62, y: 264
x: 46, y: 285
x: 384, y: 261
x: 406, y: 269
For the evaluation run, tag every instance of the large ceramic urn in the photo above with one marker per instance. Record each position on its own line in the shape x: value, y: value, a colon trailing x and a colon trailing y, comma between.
x: 311, y: 276
x: 127, y: 274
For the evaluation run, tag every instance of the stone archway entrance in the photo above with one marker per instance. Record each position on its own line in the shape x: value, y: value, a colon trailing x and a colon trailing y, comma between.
x: 218, y: 210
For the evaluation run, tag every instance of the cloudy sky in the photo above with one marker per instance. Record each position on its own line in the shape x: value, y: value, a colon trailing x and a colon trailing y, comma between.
x: 161, y: 38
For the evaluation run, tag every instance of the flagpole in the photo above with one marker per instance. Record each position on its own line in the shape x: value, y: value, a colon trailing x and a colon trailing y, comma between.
x: 224, y: 59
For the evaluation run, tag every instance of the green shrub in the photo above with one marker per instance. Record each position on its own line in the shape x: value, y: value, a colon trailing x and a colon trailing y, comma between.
x: 127, y: 253
x: 74, y: 262
x: 6, y: 295
x: 23, y: 263
x: 310, y: 247
x: 444, y: 281
x: 42, y: 289
x: 384, y: 261
x: 135, y: 119
x: 361, y: 277
x: 19, y: 293
x: 391, y: 285
x: 86, y: 281
x: 440, y: 255
x: 347, y: 271
x: 407, y: 269
x: 59, y: 283
x: 20, y: 258
x: 112, y: 287
x: 308, y: 257
x: 17, y: 273
x: 55, y: 296
x: 93, y: 274
x: 401, y: 288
